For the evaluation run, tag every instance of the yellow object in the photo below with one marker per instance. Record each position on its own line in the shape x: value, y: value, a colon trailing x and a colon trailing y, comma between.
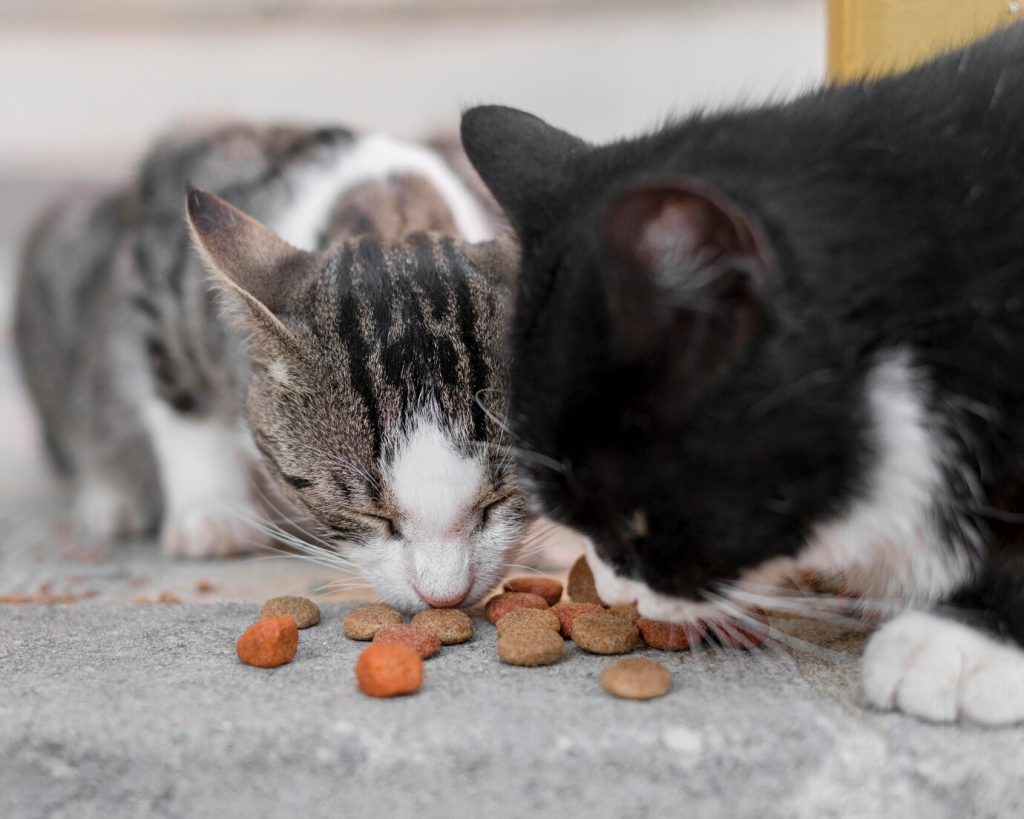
x: 867, y: 38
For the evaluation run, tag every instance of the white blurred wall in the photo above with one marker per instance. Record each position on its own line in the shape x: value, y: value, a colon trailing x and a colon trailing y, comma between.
x: 84, y: 91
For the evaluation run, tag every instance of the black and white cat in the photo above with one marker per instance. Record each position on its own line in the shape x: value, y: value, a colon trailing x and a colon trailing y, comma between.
x: 786, y: 338
x: 370, y: 301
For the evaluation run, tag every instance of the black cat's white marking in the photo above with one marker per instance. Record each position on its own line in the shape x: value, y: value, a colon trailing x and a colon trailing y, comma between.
x: 790, y: 338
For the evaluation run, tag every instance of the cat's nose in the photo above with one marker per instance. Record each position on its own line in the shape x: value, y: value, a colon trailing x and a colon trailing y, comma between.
x: 443, y: 601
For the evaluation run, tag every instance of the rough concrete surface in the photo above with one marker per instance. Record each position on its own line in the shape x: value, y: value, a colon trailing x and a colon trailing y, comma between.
x: 126, y: 711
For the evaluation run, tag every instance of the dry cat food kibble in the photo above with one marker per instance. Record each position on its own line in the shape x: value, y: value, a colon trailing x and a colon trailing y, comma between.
x: 389, y: 670
x: 528, y: 620
x: 450, y: 626
x: 305, y: 612
x: 604, y: 633
x: 636, y: 678
x: 364, y: 622
x: 269, y: 643
x: 546, y: 587
x: 530, y: 648
x: 423, y: 642
x: 501, y: 604
x: 568, y: 612
x: 627, y: 612
x: 581, y: 586
x: 670, y: 636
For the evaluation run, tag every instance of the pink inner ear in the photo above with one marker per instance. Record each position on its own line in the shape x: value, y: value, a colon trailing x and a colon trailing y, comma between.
x: 673, y: 236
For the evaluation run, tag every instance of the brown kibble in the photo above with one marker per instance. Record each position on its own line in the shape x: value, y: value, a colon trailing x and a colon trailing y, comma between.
x: 501, y: 604
x: 670, y: 636
x: 304, y: 611
x: 626, y: 612
x: 389, y: 670
x: 546, y: 587
x: 204, y: 586
x: 362, y: 623
x: 528, y: 620
x: 530, y: 648
x: 568, y: 612
x: 581, y: 582
x: 450, y: 626
x: 602, y: 633
x: 269, y: 643
x: 425, y: 643
x: 636, y: 678
x: 168, y: 597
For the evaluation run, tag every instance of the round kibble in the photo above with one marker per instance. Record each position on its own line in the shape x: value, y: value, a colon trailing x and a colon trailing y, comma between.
x: 501, y: 604
x: 450, y: 626
x: 362, y: 623
x: 269, y: 643
x: 604, y: 633
x: 627, y: 612
x: 546, y: 587
x: 636, y: 678
x: 389, y: 670
x: 568, y: 612
x: 670, y: 636
x: 530, y: 648
x: 423, y: 642
x: 305, y: 612
x: 581, y: 583
x: 528, y: 620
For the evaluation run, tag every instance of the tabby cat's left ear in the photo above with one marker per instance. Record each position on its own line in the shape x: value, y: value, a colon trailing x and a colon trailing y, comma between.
x: 245, y: 254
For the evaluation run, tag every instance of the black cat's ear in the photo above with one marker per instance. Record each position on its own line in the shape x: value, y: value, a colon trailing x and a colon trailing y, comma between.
x: 687, y: 270
x: 524, y: 161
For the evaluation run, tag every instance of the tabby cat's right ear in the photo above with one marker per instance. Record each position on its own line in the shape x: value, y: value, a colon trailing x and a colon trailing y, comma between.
x: 248, y: 257
x: 524, y: 161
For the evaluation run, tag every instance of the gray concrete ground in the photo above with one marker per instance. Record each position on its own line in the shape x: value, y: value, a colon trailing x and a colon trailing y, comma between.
x: 128, y: 711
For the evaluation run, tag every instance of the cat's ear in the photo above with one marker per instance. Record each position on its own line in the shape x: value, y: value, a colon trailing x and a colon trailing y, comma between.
x: 524, y: 161
x: 244, y: 253
x: 686, y: 282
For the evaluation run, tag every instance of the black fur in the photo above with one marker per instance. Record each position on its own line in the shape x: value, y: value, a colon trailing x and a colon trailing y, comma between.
x: 722, y: 391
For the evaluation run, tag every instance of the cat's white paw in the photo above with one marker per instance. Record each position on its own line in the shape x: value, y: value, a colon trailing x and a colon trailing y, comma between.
x: 941, y: 670
x: 210, y: 531
x: 102, y: 513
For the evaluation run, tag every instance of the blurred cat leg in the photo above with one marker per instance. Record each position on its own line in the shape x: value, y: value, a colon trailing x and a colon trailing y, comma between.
x: 205, y: 471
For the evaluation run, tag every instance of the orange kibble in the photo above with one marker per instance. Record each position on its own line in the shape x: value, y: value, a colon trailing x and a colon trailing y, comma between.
x: 501, y: 604
x: 269, y: 643
x: 424, y: 642
x: 546, y: 587
x: 670, y: 636
x: 567, y: 612
x: 389, y: 670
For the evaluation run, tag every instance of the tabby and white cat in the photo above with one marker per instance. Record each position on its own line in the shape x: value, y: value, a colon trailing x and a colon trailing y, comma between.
x: 367, y: 297
x: 790, y: 338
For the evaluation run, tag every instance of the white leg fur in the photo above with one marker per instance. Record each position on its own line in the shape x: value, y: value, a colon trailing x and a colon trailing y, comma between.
x: 102, y: 512
x: 206, y: 481
x: 940, y: 670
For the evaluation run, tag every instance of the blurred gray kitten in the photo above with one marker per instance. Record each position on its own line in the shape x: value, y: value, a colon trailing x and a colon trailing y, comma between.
x: 368, y: 301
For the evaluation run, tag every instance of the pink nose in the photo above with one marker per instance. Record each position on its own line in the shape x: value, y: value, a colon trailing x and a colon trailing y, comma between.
x: 439, y: 602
